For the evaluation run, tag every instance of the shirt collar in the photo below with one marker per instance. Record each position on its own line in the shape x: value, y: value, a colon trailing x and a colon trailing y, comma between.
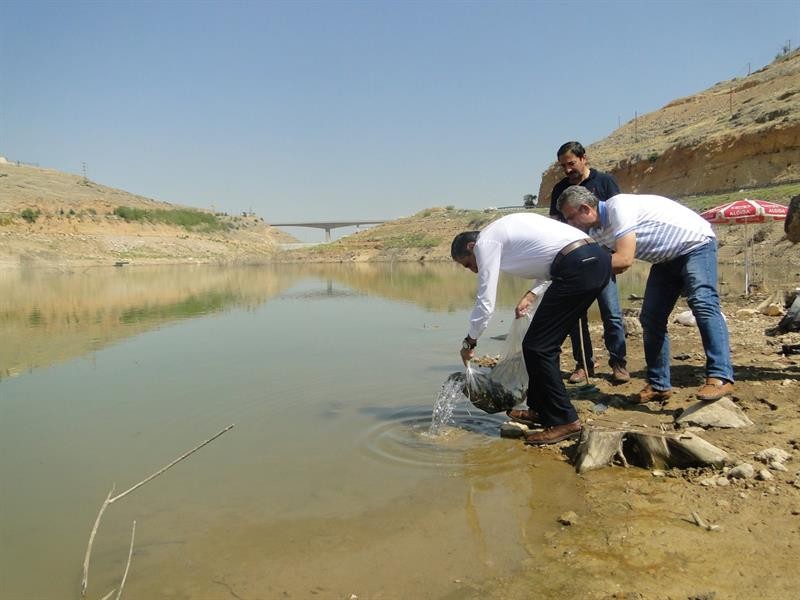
x: 603, y: 213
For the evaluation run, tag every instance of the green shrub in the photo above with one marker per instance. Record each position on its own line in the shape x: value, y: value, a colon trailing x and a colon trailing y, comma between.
x: 413, y: 240
x: 130, y: 214
x: 178, y: 217
x: 30, y: 215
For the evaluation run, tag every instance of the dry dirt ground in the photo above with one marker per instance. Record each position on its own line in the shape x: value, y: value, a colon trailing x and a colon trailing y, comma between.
x: 636, y: 538
x: 76, y: 226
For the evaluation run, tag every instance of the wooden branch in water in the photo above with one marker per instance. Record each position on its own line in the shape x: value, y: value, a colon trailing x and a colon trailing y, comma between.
x: 170, y: 465
x: 85, y: 578
x: 128, y: 565
x: 110, y: 500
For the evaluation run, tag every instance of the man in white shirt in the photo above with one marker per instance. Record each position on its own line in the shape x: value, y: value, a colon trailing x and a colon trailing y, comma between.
x: 682, y: 248
x: 535, y: 247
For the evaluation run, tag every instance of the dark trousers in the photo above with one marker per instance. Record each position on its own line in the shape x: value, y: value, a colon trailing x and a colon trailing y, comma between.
x: 578, y: 279
x: 613, y: 330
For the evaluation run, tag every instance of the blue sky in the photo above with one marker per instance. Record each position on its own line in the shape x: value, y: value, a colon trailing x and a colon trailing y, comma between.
x: 352, y: 110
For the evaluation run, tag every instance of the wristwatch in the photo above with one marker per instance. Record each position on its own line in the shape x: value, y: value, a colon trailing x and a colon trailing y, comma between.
x: 468, y: 344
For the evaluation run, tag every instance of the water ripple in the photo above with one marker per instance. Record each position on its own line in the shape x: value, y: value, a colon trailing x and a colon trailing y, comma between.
x: 469, y: 440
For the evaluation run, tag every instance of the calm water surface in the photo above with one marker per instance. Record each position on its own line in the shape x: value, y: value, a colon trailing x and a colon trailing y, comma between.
x: 328, y: 485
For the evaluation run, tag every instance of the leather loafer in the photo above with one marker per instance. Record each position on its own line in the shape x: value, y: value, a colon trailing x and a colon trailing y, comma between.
x: 648, y: 394
x: 554, y: 434
x: 619, y: 374
x: 714, y: 389
x: 526, y: 416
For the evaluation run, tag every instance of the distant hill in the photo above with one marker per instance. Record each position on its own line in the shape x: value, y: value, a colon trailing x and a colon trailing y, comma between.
x: 52, y: 218
x: 740, y: 133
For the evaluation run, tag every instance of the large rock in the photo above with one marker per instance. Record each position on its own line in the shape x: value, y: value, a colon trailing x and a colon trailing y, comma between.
x: 723, y: 413
x: 632, y: 326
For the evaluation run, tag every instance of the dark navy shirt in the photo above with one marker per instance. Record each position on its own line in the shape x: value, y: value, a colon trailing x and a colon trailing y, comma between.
x: 600, y: 184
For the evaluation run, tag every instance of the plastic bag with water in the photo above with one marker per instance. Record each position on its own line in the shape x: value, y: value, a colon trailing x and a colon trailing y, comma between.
x: 504, y: 386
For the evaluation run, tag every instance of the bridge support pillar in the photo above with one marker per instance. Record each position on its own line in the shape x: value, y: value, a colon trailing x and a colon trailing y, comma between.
x: 327, y: 234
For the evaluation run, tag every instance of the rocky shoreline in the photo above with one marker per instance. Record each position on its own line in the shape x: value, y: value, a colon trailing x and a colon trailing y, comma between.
x: 731, y: 531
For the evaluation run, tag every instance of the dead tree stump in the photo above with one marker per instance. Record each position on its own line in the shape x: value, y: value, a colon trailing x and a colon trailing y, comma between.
x: 599, y: 446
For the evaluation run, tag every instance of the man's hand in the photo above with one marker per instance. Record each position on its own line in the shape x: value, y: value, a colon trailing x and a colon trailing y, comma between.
x: 524, y: 303
x: 466, y: 355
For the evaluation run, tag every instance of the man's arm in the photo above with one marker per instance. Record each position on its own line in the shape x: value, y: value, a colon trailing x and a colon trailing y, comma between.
x: 529, y: 297
x: 488, y: 255
x: 624, y: 253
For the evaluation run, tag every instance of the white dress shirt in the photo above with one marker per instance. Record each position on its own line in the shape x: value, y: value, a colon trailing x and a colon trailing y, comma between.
x: 522, y: 244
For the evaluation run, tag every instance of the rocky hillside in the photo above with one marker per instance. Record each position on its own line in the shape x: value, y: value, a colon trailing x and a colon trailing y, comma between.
x: 52, y: 218
x: 740, y: 133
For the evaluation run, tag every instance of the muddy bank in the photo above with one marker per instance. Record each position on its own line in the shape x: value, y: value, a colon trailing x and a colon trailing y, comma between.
x: 637, y: 537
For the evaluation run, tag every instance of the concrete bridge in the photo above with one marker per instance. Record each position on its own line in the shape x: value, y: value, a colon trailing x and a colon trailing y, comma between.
x: 328, y: 225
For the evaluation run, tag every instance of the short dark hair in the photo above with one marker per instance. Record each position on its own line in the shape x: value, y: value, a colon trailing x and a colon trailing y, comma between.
x: 458, y: 248
x: 575, y: 147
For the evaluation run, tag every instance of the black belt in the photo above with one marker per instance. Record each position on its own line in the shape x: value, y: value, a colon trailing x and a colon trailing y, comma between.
x: 569, y: 248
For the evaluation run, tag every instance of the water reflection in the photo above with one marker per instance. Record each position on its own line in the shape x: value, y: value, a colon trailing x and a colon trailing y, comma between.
x: 50, y: 317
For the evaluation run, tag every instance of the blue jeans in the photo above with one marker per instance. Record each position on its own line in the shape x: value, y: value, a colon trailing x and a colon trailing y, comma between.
x: 613, y: 330
x: 695, y: 274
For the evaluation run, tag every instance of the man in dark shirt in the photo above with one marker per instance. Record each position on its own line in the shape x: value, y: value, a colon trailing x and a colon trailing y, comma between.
x: 573, y: 160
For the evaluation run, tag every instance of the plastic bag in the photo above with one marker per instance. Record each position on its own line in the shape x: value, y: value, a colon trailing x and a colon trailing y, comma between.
x: 509, y: 373
x: 506, y: 385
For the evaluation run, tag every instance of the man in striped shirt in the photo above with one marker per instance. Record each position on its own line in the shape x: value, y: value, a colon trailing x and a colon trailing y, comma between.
x: 683, y: 251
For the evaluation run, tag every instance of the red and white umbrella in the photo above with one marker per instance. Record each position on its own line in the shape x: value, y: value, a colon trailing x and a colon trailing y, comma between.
x: 746, y: 211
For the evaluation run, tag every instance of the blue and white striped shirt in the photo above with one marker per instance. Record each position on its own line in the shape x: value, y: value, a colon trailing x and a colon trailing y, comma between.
x: 664, y: 228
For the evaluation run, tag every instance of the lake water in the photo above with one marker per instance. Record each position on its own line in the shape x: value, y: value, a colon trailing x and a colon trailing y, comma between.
x: 328, y: 486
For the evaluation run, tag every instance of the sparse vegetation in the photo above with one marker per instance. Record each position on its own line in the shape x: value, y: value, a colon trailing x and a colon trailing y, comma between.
x: 412, y: 240
x: 193, y: 220
x: 778, y: 193
x: 30, y: 215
